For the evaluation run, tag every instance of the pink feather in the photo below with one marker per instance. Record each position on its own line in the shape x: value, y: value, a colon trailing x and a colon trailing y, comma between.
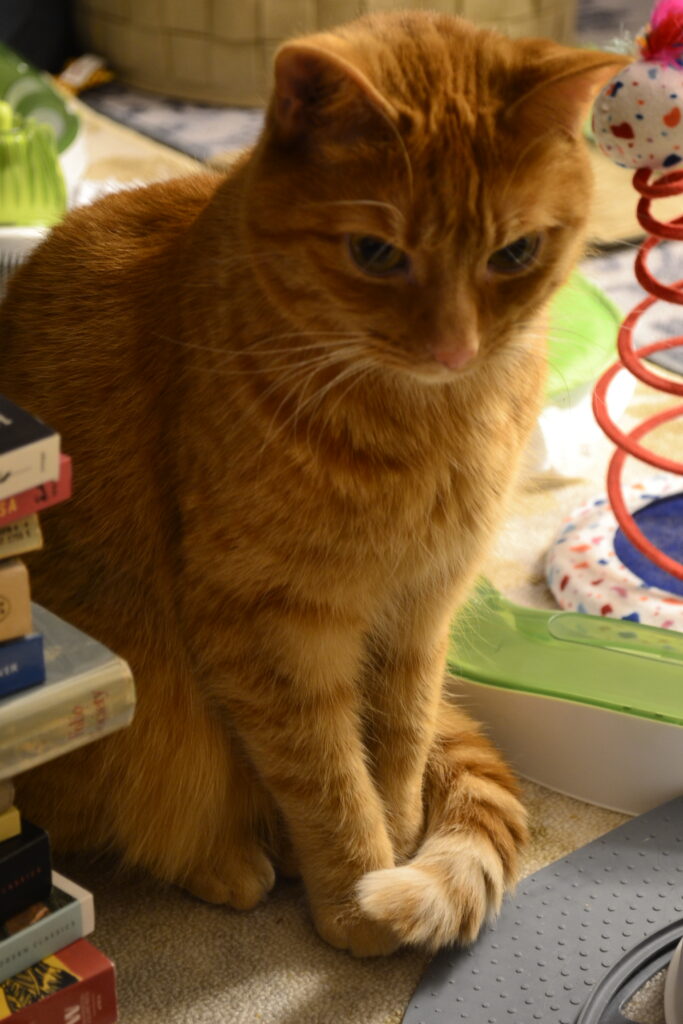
x: 664, y: 36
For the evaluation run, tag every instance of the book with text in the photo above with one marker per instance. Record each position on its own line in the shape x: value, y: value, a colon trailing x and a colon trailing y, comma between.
x: 67, y: 914
x: 18, y: 506
x: 88, y: 692
x: 77, y: 985
x: 29, y: 450
x: 20, y: 537
x: 25, y: 870
x: 22, y: 664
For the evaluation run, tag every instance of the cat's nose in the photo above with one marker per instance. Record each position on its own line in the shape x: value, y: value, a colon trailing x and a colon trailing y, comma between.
x: 456, y: 354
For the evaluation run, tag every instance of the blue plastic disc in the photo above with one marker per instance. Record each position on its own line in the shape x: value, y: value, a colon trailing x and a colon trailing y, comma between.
x: 662, y: 523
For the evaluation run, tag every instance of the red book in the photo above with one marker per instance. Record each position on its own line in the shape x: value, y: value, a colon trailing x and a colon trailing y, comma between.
x: 75, y: 986
x: 37, y: 498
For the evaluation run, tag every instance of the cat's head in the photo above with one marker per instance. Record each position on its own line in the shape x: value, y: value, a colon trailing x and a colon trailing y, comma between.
x: 421, y: 187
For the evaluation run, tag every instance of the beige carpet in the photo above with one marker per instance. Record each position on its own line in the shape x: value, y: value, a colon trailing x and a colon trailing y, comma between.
x: 182, y: 962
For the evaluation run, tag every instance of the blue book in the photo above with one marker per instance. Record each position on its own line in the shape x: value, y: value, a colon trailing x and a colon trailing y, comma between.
x: 88, y: 693
x: 66, y: 914
x: 22, y: 664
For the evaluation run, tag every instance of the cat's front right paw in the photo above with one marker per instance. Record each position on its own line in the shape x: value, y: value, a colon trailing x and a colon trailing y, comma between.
x: 345, y: 927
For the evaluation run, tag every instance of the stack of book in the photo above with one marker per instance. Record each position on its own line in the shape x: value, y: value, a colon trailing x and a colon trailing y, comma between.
x: 33, y: 475
x: 59, y: 689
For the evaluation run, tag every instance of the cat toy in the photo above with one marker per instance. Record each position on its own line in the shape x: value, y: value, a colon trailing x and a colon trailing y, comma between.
x: 570, y: 695
x: 624, y: 558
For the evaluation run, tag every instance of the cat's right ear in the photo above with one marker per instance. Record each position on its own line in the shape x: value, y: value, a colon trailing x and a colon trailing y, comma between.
x: 319, y: 92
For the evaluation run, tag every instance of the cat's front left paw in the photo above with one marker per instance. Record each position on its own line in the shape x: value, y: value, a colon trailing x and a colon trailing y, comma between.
x: 443, y: 895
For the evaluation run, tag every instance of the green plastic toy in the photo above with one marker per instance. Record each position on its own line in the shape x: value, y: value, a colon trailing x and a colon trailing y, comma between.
x: 570, y: 656
x: 32, y: 190
x: 589, y: 706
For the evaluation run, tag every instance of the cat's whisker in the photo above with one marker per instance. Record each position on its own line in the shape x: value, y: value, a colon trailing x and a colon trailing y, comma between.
x: 404, y: 150
x: 538, y: 140
x: 301, y: 380
x: 280, y: 350
x: 380, y: 204
x: 318, y: 396
x: 355, y: 374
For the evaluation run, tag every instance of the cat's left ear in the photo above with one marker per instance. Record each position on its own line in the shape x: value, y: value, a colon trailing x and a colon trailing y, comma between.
x: 318, y: 91
x: 568, y: 82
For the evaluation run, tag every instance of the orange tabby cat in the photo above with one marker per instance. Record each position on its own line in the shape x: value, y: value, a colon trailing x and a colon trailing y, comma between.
x: 296, y: 399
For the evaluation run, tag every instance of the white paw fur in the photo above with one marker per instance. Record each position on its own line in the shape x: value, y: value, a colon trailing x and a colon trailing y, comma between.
x: 443, y: 895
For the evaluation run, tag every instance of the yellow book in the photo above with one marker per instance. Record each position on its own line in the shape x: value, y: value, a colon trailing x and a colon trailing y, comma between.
x: 20, y: 537
x: 10, y: 824
x: 15, y: 600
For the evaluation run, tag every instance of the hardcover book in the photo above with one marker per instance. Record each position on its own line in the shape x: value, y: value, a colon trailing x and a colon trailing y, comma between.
x: 17, y: 506
x: 29, y: 450
x: 75, y: 986
x: 22, y: 664
x: 44, y: 928
x: 10, y: 824
x: 25, y: 870
x: 6, y: 794
x: 20, y: 537
x: 15, y: 600
x: 88, y: 692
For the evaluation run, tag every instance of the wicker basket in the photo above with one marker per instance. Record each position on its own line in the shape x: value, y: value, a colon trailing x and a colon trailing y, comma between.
x: 220, y: 51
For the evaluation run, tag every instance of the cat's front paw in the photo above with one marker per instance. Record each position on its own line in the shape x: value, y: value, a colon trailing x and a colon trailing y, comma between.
x: 443, y: 895
x: 344, y: 926
x: 241, y: 882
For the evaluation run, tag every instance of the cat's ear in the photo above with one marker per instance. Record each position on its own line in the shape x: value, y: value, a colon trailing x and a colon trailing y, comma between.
x: 320, y: 91
x: 567, y: 82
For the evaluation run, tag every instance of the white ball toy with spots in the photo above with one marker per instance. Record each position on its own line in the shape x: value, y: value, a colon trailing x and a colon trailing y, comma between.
x: 638, y: 115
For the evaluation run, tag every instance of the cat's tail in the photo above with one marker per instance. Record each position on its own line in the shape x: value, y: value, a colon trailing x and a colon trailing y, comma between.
x: 475, y: 827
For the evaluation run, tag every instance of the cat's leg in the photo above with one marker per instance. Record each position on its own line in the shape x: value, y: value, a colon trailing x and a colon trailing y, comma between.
x: 235, y: 866
x: 475, y: 826
x: 207, y: 814
x: 298, y: 714
x: 404, y: 685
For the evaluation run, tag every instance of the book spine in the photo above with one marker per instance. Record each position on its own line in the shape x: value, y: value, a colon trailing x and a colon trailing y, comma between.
x: 20, y: 537
x: 25, y: 871
x: 10, y: 824
x: 18, y: 506
x: 6, y: 795
x: 15, y: 600
x: 71, y: 720
x: 59, y: 929
x: 29, y: 466
x: 91, y: 1000
x: 22, y: 664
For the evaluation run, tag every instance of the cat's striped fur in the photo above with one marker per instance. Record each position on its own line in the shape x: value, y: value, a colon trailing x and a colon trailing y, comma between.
x: 288, y: 471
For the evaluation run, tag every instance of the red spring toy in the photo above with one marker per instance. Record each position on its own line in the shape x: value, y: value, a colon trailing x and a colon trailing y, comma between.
x: 638, y: 122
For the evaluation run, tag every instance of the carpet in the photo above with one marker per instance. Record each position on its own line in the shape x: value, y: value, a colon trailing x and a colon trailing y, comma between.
x: 183, y: 962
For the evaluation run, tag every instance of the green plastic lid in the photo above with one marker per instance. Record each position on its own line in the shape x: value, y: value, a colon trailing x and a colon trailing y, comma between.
x: 582, y: 337
x: 609, y: 663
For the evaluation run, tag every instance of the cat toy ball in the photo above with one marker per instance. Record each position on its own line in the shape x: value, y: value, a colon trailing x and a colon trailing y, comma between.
x: 594, y: 566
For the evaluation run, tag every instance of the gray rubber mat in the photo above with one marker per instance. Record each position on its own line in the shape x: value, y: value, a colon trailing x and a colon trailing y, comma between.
x: 563, y: 930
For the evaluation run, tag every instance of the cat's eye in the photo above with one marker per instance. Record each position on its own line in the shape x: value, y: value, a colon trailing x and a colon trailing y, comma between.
x: 376, y: 257
x: 515, y: 257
